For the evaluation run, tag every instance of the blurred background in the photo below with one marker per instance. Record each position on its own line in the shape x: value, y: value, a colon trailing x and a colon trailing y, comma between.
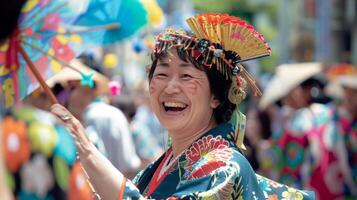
x: 301, y: 132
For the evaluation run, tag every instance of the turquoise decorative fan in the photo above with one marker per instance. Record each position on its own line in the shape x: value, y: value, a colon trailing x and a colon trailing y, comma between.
x: 111, y: 20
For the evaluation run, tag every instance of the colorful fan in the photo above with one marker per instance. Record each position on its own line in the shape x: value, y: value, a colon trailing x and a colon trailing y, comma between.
x: 36, y: 43
x: 239, y: 41
x: 116, y: 20
x: 232, y: 33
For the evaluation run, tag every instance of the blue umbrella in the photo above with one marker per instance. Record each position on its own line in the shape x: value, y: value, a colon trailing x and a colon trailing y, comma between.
x: 111, y: 20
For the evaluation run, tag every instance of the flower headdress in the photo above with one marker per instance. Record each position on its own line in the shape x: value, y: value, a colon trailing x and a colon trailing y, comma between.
x: 223, y: 42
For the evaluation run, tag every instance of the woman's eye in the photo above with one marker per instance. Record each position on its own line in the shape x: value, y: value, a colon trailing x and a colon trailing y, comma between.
x: 161, y: 75
x: 186, y: 76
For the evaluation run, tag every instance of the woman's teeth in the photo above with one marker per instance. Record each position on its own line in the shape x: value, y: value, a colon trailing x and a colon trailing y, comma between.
x: 174, y: 106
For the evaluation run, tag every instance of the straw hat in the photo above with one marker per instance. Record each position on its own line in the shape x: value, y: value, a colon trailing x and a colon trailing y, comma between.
x: 68, y: 74
x: 286, y: 78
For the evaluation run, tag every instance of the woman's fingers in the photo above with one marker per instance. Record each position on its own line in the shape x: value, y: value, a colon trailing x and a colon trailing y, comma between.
x: 61, y: 112
x: 72, y: 124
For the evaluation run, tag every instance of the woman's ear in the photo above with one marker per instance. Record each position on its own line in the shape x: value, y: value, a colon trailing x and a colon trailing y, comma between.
x: 214, y: 102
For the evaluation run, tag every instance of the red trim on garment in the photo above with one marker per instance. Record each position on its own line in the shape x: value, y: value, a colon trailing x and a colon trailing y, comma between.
x: 122, y: 189
x: 156, y: 180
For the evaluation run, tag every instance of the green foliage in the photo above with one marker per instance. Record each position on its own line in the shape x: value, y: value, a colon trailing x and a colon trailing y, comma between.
x: 233, y: 7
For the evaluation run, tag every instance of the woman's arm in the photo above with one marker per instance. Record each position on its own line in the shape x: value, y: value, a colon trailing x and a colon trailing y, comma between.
x: 105, y: 178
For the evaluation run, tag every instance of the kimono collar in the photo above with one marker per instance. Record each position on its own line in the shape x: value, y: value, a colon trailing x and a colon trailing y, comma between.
x: 231, y: 132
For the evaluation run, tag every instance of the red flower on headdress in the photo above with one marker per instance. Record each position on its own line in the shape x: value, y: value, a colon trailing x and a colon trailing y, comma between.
x: 207, y: 155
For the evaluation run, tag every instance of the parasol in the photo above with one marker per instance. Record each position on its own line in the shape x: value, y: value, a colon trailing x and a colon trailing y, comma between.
x: 36, y: 42
x: 113, y: 20
x: 51, y: 33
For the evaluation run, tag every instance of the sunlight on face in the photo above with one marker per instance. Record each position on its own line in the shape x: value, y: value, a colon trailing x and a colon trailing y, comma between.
x: 180, y: 95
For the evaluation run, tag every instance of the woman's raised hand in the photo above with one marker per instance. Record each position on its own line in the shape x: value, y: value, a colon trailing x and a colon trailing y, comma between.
x: 82, y: 141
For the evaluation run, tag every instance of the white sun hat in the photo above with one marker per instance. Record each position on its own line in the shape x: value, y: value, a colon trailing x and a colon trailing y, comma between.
x: 68, y: 74
x: 286, y: 78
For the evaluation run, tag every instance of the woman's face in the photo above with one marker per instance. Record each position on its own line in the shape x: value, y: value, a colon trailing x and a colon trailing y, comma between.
x: 180, y: 95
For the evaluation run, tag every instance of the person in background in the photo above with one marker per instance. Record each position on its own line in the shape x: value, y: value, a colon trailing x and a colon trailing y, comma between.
x: 107, y: 121
x: 346, y: 115
x: 146, y: 145
x: 145, y: 116
x: 258, y: 130
x: 195, y: 87
x: 308, y: 151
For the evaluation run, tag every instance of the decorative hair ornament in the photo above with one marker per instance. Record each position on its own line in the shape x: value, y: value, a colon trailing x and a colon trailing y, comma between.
x: 238, y: 120
x: 222, y: 41
x: 238, y: 39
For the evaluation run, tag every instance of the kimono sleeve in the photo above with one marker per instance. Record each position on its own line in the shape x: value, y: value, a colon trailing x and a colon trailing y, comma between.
x: 237, y: 180
x: 129, y: 190
x: 234, y: 179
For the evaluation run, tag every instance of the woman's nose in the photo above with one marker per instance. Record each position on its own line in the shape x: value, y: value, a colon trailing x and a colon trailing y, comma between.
x: 172, y: 87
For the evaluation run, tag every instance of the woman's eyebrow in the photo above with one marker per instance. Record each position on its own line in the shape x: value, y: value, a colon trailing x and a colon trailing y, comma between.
x: 163, y: 64
x: 185, y: 65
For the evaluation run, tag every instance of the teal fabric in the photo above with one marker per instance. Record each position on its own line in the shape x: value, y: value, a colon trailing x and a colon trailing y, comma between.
x: 212, y: 168
x: 130, y: 15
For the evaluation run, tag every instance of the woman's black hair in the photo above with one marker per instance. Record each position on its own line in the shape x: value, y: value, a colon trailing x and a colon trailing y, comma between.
x: 218, y: 83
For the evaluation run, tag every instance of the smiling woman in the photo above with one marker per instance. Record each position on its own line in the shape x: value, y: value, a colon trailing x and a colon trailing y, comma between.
x: 181, y: 98
x: 196, y: 84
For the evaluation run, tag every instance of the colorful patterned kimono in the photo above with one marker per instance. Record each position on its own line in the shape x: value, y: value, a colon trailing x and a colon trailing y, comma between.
x: 211, y: 168
x: 349, y: 130
x: 311, y: 152
x: 351, y: 144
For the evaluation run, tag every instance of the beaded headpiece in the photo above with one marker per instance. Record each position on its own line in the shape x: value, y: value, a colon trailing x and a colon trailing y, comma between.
x: 222, y: 42
x: 219, y: 41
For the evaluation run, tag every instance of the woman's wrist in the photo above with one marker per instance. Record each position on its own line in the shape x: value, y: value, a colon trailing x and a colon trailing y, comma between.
x: 87, y: 154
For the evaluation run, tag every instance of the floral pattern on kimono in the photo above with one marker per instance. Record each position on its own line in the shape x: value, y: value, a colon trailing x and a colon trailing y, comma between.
x: 211, y: 168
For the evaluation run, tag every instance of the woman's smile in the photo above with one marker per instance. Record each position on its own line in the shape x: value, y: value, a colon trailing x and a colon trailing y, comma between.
x: 180, y: 95
x: 175, y: 107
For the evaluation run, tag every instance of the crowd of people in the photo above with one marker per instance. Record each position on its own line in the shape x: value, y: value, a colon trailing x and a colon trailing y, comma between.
x: 299, y: 133
x: 302, y: 132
